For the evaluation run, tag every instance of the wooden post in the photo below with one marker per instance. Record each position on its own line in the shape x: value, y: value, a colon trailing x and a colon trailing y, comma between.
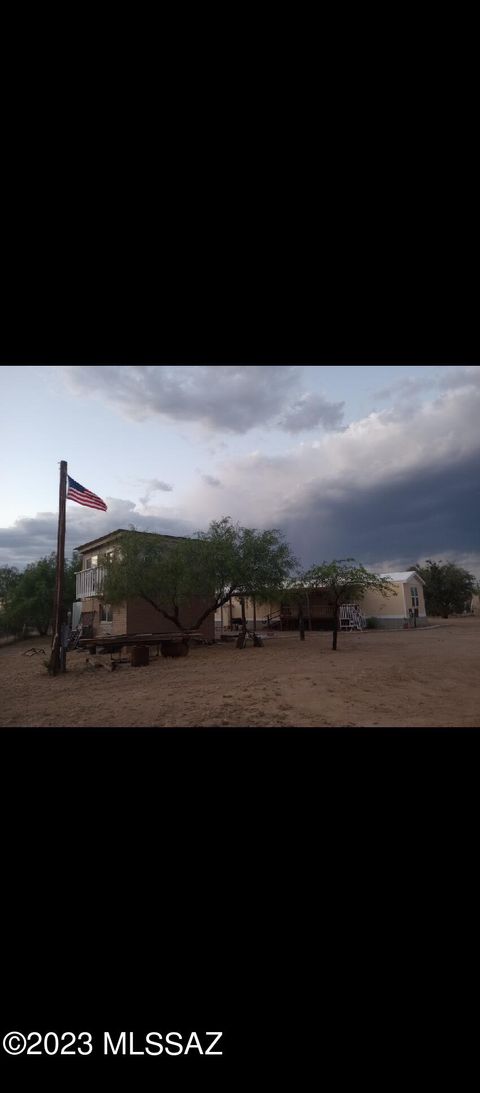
x: 335, y: 626
x: 56, y: 660
x: 244, y: 617
x: 308, y: 611
x: 254, y: 615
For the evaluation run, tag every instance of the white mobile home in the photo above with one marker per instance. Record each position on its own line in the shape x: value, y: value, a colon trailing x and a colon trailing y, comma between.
x: 405, y: 607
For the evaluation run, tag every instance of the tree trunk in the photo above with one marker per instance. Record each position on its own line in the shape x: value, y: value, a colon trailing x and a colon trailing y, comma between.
x: 196, y: 626
x: 335, y: 628
x: 254, y: 615
x: 244, y: 617
x: 301, y: 624
x: 218, y: 603
x: 166, y: 615
x: 176, y: 618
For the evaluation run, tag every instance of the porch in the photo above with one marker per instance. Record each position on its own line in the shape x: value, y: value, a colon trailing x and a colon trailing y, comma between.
x: 89, y: 582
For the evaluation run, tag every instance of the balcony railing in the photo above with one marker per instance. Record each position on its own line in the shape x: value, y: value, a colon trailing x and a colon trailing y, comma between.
x: 89, y: 582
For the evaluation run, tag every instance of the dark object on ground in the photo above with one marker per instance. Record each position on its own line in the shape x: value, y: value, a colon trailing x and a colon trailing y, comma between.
x: 174, y: 648
x: 32, y: 651
x: 139, y: 656
x: 93, y: 661
x: 241, y: 641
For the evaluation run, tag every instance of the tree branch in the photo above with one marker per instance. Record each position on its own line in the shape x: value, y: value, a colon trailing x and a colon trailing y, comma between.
x: 166, y: 615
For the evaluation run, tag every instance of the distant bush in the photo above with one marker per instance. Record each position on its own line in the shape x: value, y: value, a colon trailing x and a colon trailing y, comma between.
x: 372, y: 624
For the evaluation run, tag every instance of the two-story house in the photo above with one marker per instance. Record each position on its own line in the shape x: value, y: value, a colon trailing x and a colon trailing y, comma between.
x: 133, y: 616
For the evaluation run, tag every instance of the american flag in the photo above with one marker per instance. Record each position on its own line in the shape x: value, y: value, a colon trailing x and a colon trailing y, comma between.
x: 79, y: 493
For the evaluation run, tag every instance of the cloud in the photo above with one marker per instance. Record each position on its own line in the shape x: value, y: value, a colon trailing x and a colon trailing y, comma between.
x: 408, y: 517
x: 210, y: 480
x: 155, y: 484
x: 464, y: 377
x: 406, y: 387
x: 231, y: 398
x: 310, y: 411
x: 31, y: 538
x: 392, y: 489
x: 227, y: 397
x: 401, y: 484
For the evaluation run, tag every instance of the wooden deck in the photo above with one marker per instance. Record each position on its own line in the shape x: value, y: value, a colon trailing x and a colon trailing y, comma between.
x: 111, y: 643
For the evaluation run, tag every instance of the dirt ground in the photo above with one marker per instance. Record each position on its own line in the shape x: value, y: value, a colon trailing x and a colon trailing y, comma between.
x: 424, y: 677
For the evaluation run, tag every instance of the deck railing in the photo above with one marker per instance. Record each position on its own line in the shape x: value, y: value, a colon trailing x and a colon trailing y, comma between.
x: 89, y: 582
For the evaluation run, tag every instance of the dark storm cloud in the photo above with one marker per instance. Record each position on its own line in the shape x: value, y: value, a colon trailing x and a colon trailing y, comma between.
x: 412, y: 516
x: 221, y: 397
x: 32, y: 538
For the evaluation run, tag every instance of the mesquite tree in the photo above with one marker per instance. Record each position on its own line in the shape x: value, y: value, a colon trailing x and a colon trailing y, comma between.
x: 266, y: 561
x: 9, y: 579
x: 29, y: 595
x: 448, y: 588
x: 167, y: 572
x: 295, y: 592
x: 344, y: 580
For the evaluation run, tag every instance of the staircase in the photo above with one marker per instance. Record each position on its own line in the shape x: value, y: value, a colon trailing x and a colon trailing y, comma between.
x: 270, y: 621
x: 351, y: 617
x: 74, y: 638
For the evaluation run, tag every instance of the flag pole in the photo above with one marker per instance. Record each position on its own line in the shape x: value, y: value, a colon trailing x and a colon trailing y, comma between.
x: 57, y: 658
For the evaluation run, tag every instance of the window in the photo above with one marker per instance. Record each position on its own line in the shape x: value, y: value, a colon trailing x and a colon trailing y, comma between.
x: 91, y: 562
x: 106, y: 614
x: 414, y: 592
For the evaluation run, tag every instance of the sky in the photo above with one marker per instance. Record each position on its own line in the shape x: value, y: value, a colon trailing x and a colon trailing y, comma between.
x: 379, y: 463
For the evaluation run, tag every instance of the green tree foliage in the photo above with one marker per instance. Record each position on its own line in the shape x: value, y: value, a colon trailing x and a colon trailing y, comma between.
x: 30, y: 599
x: 344, y: 580
x: 295, y: 592
x: 9, y: 577
x: 265, y: 562
x: 224, y: 561
x: 448, y: 588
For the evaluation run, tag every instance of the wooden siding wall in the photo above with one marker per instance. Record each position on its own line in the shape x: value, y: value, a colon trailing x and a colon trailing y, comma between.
x: 144, y: 619
x: 137, y: 617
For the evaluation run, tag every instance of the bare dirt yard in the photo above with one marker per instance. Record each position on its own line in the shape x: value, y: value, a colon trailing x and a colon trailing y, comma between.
x: 424, y: 677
